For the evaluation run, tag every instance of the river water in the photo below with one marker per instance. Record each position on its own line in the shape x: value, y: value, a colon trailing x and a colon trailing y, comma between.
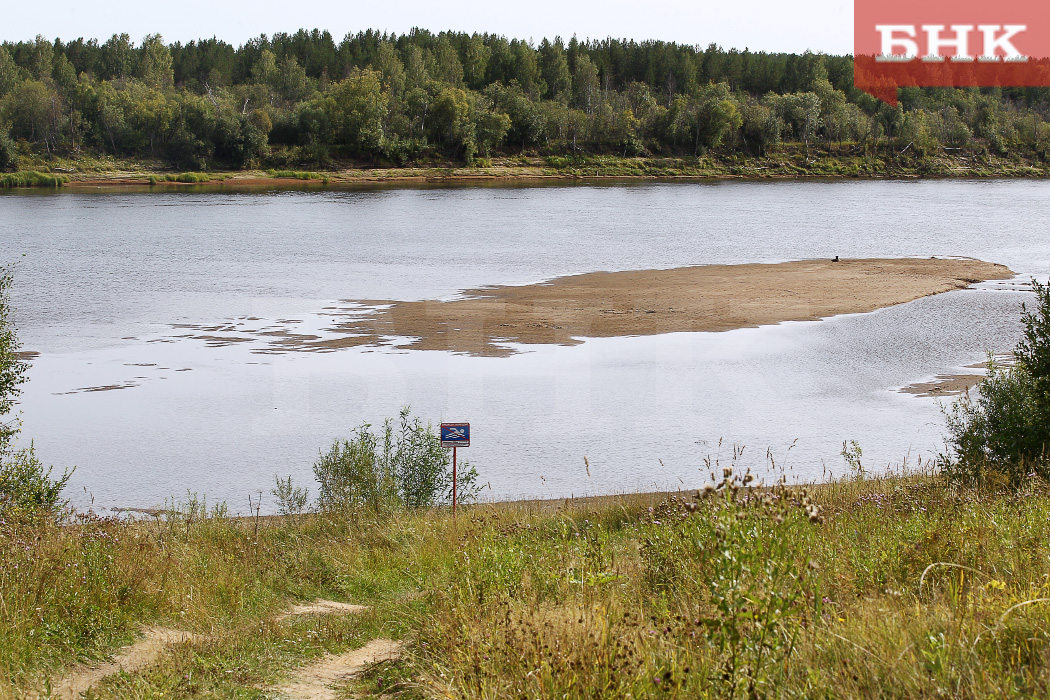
x: 126, y: 294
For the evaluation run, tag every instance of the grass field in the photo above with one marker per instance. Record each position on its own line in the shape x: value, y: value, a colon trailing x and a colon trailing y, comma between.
x: 899, y: 587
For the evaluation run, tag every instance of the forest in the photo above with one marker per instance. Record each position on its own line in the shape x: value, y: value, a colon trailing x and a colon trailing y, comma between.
x: 386, y: 100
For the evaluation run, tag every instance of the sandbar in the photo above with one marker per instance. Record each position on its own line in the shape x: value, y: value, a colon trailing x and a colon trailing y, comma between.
x: 567, y: 310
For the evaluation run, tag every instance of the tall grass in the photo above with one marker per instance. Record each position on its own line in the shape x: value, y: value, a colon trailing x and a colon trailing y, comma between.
x: 31, y: 178
x: 75, y: 592
x: 293, y: 174
x: 189, y: 177
x: 895, y: 587
x: 723, y: 601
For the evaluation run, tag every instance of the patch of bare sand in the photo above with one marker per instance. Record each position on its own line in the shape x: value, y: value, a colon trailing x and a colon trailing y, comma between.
x: 944, y: 385
x: 957, y: 384
x: 315, y: 681
x: 649, y: 302
x: 130, y: 659
x: 322, y: 607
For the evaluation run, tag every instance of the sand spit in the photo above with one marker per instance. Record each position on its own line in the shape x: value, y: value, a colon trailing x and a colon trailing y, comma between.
x: 566, y: 310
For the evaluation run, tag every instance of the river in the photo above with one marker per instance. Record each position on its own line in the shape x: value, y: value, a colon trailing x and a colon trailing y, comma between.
x: 126, y: 294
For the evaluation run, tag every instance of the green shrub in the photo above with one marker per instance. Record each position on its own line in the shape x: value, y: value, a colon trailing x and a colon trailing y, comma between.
x: 407, y: 468
x: 26, y: 486
x: 1005, y: 429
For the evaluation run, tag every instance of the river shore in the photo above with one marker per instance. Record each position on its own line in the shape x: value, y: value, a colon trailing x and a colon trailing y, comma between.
x: 791, y: 162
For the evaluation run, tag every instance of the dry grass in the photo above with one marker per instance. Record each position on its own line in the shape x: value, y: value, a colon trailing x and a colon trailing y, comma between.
x: 897, y: 587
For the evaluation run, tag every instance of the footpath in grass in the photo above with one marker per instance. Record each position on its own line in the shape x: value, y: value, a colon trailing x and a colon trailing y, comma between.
x: 897, y: 587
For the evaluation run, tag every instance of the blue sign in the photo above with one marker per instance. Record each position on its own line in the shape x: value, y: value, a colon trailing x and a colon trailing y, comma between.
x: 455, y: 434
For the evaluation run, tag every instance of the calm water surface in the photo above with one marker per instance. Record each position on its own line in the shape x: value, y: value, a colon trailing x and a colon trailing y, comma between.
x: 114, y: 289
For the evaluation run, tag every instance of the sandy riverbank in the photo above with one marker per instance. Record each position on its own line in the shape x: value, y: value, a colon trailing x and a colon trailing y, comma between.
x: 648, y: 302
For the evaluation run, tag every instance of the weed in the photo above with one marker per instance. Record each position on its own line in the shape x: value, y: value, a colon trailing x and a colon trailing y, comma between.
x: 291, y: 500
x: 852, y: 454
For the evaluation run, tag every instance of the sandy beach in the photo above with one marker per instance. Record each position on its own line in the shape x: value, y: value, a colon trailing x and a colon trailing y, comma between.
x: 566, y: 310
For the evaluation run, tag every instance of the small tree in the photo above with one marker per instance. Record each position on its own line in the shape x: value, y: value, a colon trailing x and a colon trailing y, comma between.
x: 1005, y: 430
x: 12, y: 367
x: 26, y: 485
x: 402, y: 468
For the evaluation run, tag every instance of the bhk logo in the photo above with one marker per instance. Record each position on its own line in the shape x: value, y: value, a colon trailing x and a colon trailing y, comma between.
x: 949, y: 43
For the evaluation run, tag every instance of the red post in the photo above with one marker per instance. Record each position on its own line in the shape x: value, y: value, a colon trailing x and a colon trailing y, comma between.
x: 453, y: 481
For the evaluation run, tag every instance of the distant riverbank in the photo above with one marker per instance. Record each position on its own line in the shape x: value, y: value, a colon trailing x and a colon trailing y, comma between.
x: 792, y: 162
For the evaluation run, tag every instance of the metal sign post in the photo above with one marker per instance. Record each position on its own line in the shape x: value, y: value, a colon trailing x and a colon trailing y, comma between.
x: 455, y: 435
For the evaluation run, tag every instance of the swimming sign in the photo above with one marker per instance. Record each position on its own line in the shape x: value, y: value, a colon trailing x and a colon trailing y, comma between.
x: 455, y: 434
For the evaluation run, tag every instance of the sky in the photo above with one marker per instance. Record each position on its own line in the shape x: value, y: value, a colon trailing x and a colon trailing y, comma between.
x: 760, y: 25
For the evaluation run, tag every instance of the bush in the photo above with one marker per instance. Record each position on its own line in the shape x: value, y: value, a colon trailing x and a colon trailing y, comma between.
x: 26, y: 486
x: 407, y: 468
x: 1005, y: 430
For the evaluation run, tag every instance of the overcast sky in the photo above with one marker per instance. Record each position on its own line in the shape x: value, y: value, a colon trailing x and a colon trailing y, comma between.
x: 761, y: 25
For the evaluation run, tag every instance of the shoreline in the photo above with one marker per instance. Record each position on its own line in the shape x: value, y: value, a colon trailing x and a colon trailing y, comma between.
x: 790, y: 162
x: 367, y: 179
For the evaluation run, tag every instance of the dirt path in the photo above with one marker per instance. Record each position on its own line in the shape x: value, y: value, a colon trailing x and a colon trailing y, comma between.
x: 130, y: 659
x: 156, y: 639
x: 315, y: 681
x: 322, y: 607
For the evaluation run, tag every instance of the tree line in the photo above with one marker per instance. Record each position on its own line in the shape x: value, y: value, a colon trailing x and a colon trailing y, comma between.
x: 386, y: 99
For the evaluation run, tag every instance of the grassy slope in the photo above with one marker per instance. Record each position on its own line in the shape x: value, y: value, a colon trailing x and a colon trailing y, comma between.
x: 604, y: 599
